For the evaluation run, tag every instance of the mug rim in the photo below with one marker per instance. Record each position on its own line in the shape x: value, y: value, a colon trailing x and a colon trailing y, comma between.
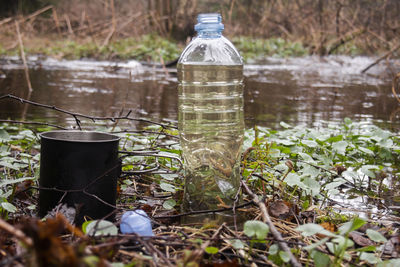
x: 79, y: 136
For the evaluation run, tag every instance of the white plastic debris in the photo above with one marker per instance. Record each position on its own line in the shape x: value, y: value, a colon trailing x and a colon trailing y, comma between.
x: 137, y: 222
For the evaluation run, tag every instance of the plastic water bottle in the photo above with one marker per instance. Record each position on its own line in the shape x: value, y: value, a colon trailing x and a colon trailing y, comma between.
x: 211, y: 126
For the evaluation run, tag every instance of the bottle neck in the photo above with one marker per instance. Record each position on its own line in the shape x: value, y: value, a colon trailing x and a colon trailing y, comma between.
x: 209, y: 34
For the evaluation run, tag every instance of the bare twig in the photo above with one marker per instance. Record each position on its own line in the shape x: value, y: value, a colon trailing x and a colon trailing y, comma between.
x: 21, y: 47
x: 15, y: 232
x: 36, y: 13
x: 4, y: 21
x: 202, y: 211
x: 198, y: 253
x: 381, y: 58
x: 56, y: 20
x: 153, y: 250
x: 67, y: 20
x: 146, y: 132
x: 113, y: 24
x: 34, y: 123
x: 344, y: 39
x: 153, y: 154
x: 78, y: 115
x: 274, y: 231
x: 394, y: 85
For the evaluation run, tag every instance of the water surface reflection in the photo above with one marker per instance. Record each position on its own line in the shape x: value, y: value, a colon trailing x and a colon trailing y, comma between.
x: 297, y: 90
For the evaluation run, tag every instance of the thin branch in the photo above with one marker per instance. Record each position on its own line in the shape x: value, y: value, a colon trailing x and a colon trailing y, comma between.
x: 34, y: 123
x: 394, y: 84
x: 153, y: 154
x: 198, y: 253
x: 21, y: 47
x: 264, y: 212
x: 113, y: 24
x: 381, y: 58
x: 146, y: 132
x: 76, y: 116
x: 202, y: 211
x: 16, y: 232
x: 153, y: 250
x: 36, y: 13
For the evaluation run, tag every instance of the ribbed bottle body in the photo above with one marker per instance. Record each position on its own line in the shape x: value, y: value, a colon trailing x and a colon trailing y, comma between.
x: 211, y: 130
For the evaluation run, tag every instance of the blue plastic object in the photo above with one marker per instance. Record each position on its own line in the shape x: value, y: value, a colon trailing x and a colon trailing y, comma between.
x: 136, y: 221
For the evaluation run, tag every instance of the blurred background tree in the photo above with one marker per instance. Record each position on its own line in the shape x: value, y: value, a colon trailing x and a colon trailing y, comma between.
x: 23, y: 7
x: 323, y: 26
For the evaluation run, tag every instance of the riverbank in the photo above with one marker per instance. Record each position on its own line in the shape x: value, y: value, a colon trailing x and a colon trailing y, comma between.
x: 149, y: 47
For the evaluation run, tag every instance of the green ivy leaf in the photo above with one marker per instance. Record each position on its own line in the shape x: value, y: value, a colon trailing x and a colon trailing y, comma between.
x: 91, y: 261
x: 369, y: 257
x: 336, y: 183
x: 285, y: 125
x: 237, y: 244
x: 284, y: 256
x: 4, y: 136
x: 335, y: 138
x: 340, y: 147
x: 9, y: 165
x: 8, y: 207
x: 313, y: 187
x: 366, y: 151
x: 14, y: 181
x: 169, y: 176
x: 316, y: 244
x: 375, y: 236
x: 309, y: 143
x: 347, y: 121
x: 167, y: 187
x: 389, y: 263
x: 367, y: 170
x: 285, y: 142
x: 367, y: 249
x: 99, y: 228
x: 309, y: 229
x: 211, y: 250
x: 169, y: 204
x: 256, y: 229
x: 321, y: 259
x: 292, y: 179
x: 351, y: 225
x: 273, y: 250
x: 343, y: 242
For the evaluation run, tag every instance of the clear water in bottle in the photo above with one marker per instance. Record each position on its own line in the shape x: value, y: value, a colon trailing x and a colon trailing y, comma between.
x: 211, y: 126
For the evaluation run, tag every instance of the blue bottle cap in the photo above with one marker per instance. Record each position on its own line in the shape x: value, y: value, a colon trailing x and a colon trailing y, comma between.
x: 209, y: 22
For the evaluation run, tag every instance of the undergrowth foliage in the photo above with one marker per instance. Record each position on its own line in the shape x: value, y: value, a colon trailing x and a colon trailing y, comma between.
x: 309, y: 167
x: 304, y: 176
x: 316, y: 164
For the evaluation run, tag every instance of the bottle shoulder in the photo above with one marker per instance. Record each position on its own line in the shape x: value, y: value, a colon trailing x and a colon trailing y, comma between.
x: 211, y: 51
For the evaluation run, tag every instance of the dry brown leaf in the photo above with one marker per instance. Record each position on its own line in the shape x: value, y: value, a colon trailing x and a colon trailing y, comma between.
x: 281, y: 209
x: 360, y: 240
x: 327, y: 226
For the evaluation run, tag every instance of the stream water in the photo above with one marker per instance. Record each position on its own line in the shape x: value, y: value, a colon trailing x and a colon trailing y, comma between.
x: 295, y: 90
x: 305, y: 91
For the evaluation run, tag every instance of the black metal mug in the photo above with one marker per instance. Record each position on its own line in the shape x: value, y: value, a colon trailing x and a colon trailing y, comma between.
x: 80, y: 169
